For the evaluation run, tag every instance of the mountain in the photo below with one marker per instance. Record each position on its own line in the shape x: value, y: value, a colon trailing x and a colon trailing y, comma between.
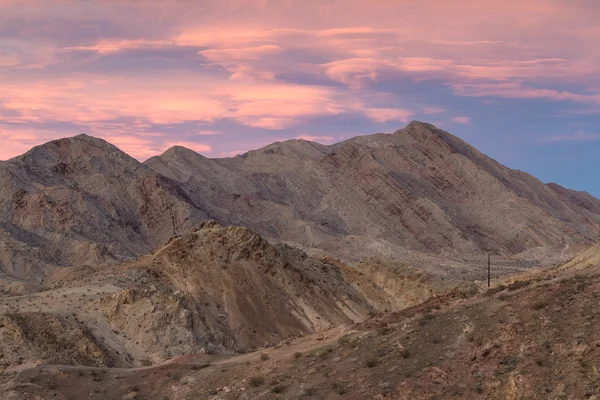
x: 83, y: 201
x: 418, y: 190
x: 419, y: 195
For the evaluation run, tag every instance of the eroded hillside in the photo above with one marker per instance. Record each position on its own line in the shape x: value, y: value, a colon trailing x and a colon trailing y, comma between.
x: 418, y: 190
x: 217, y: 290
x: 535, y: 338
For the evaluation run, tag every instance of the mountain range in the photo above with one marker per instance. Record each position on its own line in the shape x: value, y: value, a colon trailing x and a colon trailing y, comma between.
x: 419, y: 194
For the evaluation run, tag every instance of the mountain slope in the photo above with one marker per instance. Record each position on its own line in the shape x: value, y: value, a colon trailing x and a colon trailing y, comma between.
x: 215, y: 289
x: 418, y: 189
x: 535, y: 338
x: 83, y: 201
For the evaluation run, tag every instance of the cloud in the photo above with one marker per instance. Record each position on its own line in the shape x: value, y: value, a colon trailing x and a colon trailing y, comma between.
x: 208, y: 133
x: 462, y: 120
x: 278, y: 106
x: 107, y: 47
x: 389, y: 114
x: 150, y: 73
x: 520, y: 91
x: 357, y: 73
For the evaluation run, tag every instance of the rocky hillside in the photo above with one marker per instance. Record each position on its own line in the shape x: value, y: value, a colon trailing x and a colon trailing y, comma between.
x: 216, y: 290
x: 419, y: 195
x: 83, y: 201
x: 240, y: 291
x: 534, y: 337
x: 418, y: 189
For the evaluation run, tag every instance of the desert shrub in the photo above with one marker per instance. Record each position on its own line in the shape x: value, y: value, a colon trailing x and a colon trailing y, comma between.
x: 384, y: 330
x: 371, y: 362
x: 510, y: 362
x: 256, y: 381
x: 339, y: 388
x: 278, y: 389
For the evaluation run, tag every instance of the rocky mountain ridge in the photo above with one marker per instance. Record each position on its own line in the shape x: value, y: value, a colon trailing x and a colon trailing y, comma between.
x: 419, y: 189
x: 416, y: 195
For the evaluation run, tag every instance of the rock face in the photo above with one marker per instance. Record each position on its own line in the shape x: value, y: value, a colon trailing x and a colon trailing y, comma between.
x: 83, y: 201
x: 29, y: 337
x: 227, y: 289
x: 418, y: 189
x: 214, y: 290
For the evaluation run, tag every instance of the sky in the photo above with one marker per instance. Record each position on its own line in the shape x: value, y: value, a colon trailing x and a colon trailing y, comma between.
x: 518, y: 79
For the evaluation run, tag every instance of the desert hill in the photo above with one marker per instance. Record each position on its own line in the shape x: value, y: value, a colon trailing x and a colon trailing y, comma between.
x: 419, y: 195
x: 83, y: 201
x: 294, y: 271
x: 534, y: 337
x: 419, y: 189
x: 216, y: 290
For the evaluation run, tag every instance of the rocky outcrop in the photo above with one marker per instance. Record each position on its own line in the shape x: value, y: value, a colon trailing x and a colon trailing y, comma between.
x: 232, y: 290
x: 33, y: 337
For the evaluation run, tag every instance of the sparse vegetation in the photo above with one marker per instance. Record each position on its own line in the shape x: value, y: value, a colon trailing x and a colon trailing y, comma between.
x: 278, y: 389
x: 371, y: 362
x: 256, y: 381
x: 339, y: 388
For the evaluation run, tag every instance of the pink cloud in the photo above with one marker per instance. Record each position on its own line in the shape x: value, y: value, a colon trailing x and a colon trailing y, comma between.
x: 107, y: 47
x: 517, y: 90
x: 355, y: 72
x: 389, y: 114
x: 244, y: 53
x: 279, y: 106
x: 269, y: 65
x: 433, y: 110
x: 462, y: 120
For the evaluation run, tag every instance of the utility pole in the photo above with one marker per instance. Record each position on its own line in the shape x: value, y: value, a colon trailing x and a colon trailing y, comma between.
x: 489, y: 271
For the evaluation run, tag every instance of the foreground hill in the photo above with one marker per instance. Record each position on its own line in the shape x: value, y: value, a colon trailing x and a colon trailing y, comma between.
x: 419, y: 189
x: 217, y: 290
x: 535, y: 337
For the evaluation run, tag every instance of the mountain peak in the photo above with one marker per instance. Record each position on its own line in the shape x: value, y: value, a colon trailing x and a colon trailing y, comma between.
x: 421, y: 125
x: 81, y: 140
x: 180, y: 151
x: 420, y: 130
x: 86, y: 151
